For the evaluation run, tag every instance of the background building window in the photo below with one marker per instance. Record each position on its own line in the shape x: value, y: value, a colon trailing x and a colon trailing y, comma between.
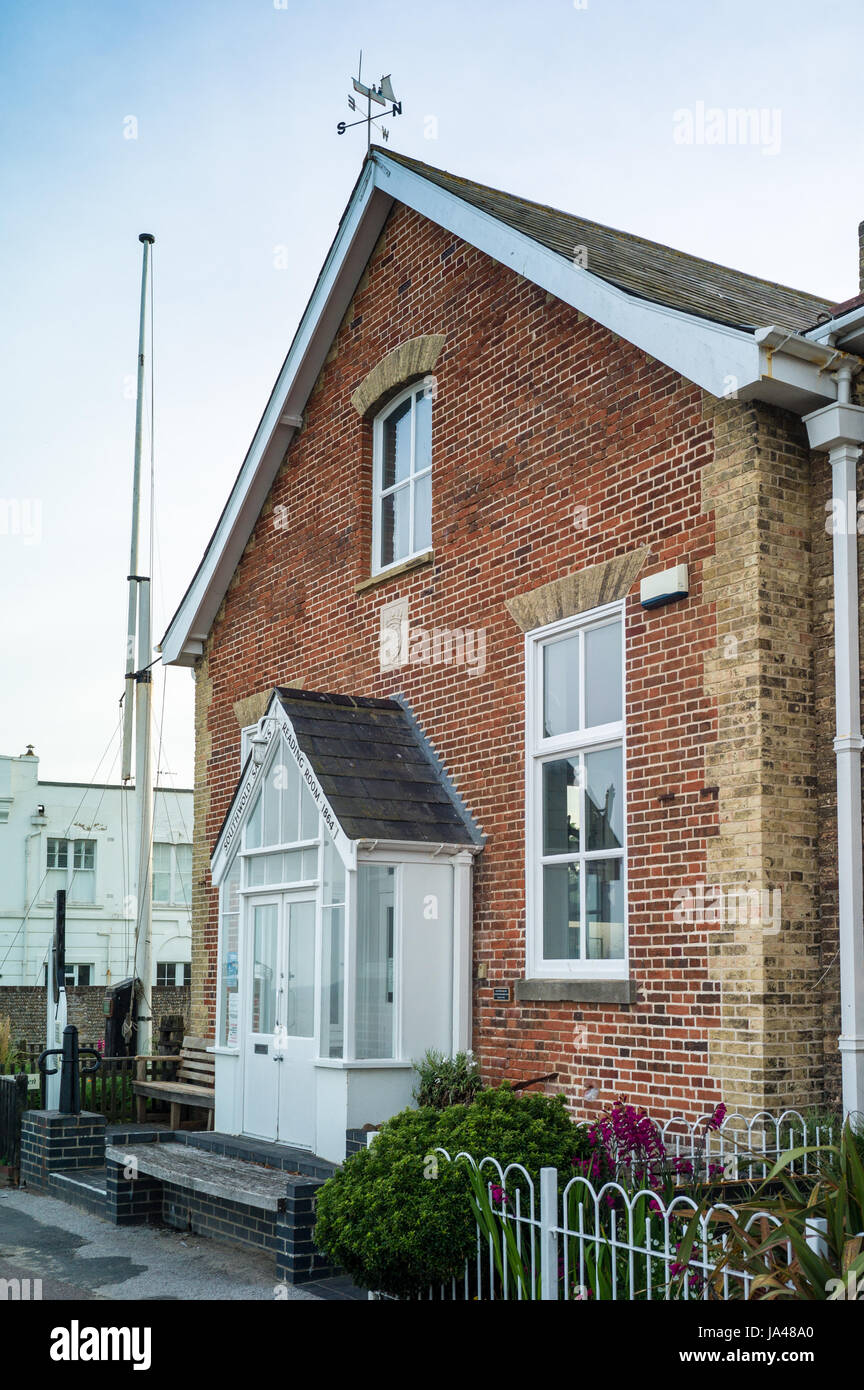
x: 172, y: 874
x: 576, y: 861
x: 75, y: 974
x: 402, y: 468
x: 71, y: 864
x: 172, y: 974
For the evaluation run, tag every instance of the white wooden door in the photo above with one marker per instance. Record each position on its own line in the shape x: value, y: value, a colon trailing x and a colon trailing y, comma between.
x: 261, y: 1080
x: 278, y: 1091
x: 296, y: 1041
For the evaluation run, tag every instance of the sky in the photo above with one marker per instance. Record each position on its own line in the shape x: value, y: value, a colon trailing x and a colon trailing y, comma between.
x: 212, y: 124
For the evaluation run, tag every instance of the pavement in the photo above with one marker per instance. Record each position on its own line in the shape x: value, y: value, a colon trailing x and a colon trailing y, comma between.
x: 80, y: 1256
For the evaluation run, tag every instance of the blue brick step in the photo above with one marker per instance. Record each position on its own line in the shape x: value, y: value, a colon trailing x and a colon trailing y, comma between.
x: 194, y: 1187
x: 82, y: 1187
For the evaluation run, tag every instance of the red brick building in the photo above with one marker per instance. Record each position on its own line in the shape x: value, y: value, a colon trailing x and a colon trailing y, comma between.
x: 534, y: 504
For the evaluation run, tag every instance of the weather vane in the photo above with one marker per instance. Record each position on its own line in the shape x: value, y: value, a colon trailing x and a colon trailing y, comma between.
x: 382, y: 95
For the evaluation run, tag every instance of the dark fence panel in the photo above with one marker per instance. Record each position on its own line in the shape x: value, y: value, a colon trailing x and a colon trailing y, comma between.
x: 13, y: 1103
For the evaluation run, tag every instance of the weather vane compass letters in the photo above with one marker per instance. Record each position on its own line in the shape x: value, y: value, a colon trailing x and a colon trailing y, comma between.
x: 382, y: 95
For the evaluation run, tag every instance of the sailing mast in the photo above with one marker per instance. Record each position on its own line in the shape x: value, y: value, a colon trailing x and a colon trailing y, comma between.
x: 138, y: 697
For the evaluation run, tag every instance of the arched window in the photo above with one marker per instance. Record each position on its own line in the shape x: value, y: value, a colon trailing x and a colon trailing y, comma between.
x: 402, y: 479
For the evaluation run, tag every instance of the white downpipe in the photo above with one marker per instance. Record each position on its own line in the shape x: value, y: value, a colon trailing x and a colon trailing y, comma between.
x: 839, y: 428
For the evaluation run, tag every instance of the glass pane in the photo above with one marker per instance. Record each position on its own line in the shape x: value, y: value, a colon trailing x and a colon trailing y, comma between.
x: 293, y: 865
x: 253, y: 826
x: 561, y: 798
x: 604, y: 908
x: 270, y: 800
x: 561, y: 932
x: 603, y: 674
x: 264, y: 946
x: 256, y: 869
x: 309, y: 867
x: 286, y: 776
x: 308, y: 814
x: 604, y: 800
x: 561, y: 686
x: 57, y: 854
x: 394, y: 526
x: 274, y: 871
x: 229, y: 905
x: 396, y: 454
x: 376, y: 909
x: 332, y: 981
x: 334, y: 874
x: 82, y: 888
x: 300, y: 984
x: 422, y: 432
x: 423, y: 512
x: 184, y: 873
x: 161, y: 888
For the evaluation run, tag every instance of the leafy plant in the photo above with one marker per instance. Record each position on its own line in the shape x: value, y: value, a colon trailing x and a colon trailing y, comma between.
x: 398, y: 1217
x: 444, y: 1081
x: 810, y: 1246
x: 512, y: 1261
x: 8, y: 1052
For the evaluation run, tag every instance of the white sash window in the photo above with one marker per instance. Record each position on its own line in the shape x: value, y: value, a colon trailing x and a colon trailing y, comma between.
x: 576, y: 808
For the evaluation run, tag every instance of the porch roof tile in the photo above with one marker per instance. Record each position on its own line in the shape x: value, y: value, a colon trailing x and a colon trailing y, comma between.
x: 377, y: 769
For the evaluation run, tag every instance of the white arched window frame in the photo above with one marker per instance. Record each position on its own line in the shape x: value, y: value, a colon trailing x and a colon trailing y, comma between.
x: 402, y: 479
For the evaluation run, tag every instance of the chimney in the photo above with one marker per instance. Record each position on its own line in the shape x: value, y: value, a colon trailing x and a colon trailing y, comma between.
x: 861, y: 257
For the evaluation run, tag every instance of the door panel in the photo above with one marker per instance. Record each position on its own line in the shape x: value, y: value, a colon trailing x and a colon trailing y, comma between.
x: 260, y: 1100
x: 297, y: 1079
x: 278, y: 1092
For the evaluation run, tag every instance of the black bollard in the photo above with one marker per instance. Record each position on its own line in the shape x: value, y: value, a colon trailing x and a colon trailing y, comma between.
x: 70, y: 1080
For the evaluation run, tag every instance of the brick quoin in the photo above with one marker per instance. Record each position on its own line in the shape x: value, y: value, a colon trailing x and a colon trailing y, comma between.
x: 539, y: 411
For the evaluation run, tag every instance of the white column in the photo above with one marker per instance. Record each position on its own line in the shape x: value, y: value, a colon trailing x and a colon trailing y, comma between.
x: 839, y: 428
x: 462, y: 951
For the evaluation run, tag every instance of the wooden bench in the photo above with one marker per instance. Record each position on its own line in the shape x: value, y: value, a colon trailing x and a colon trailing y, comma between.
x: 193, y: 1085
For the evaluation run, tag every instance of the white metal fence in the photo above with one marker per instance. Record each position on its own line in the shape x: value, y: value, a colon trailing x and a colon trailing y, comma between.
x: 607, y: 1241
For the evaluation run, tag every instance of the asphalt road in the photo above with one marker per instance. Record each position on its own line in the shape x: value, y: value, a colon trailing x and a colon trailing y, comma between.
x: 79, y: 1256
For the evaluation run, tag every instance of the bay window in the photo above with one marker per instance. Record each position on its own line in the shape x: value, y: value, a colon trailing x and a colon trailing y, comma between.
x: 576, y: 824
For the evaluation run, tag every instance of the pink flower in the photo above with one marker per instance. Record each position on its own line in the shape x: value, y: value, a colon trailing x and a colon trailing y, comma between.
x: 498, y: 1194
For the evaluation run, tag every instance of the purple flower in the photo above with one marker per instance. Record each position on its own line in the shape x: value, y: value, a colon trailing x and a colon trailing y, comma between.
x: 718, y: 1117
x: 498, y: 1194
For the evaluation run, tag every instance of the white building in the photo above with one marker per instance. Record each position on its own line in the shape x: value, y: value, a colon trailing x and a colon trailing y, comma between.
x: 82, y: 838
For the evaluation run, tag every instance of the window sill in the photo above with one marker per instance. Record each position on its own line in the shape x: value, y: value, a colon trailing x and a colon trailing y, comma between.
x: 361, y: 1064
x: 394, y: 572
x: 578, y: 991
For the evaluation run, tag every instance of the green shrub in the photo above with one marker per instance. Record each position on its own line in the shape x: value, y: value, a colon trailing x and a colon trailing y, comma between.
x: 397, y: 1219
x: 445, y: 1080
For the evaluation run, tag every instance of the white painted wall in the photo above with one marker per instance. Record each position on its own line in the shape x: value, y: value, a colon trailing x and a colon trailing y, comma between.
x: 101, y: 933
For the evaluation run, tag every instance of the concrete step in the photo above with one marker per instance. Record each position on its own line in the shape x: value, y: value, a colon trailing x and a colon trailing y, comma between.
x: 83, y: 1187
